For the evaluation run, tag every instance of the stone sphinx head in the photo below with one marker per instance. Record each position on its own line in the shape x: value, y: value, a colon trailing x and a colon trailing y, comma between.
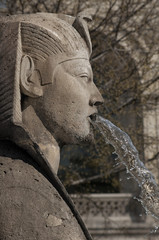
x: 45, y: 65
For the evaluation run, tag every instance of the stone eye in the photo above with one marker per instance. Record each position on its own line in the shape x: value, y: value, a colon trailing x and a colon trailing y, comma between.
x: 85, y: 77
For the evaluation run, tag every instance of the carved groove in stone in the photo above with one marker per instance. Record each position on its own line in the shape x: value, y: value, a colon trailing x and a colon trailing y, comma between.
x: 9, y: 92
x: 61, y: 42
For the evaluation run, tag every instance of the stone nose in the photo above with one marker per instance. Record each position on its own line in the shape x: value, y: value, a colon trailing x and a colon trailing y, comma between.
x: 96, y: 98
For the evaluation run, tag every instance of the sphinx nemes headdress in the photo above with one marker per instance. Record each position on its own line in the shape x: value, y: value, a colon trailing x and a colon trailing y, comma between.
x: 39, y: 35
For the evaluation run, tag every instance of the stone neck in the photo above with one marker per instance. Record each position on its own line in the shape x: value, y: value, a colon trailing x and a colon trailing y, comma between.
x: 37, y: 140
x: 34, y: 138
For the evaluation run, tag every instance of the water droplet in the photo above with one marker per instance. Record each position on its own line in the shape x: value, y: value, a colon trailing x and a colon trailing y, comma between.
x: 155, y: 229
x: 128, y: 178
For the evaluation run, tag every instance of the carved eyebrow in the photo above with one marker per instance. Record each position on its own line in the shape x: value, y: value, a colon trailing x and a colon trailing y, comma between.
x: 77, y: 71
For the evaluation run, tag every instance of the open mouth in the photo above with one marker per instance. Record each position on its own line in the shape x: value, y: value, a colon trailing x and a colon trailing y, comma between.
x: 93, y: 117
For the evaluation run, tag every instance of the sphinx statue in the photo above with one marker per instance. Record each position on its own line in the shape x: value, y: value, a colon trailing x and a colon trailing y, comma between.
x: 47, y: 97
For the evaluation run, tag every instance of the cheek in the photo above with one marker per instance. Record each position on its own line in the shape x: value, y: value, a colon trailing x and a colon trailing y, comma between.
x: 70, y: 94
x: 66, y: 102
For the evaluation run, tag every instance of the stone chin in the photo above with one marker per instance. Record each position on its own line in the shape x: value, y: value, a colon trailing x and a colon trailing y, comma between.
x: 64, y: 136
x: 78, y: 140
x: 84, y: 140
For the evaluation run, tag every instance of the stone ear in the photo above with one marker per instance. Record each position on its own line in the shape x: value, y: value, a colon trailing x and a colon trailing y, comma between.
x: 30, y: 80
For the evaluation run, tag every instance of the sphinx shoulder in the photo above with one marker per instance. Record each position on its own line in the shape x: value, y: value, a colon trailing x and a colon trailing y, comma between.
x: 30, y: 207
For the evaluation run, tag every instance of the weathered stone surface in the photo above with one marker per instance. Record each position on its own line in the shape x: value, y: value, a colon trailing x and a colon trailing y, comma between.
x: 30, y: 207
x: 46, y: 99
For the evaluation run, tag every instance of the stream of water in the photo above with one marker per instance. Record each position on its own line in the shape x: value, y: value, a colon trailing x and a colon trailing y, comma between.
x: 129, y: 156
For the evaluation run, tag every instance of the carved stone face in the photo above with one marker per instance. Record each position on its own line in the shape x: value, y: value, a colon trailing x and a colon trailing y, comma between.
x: 68, y: 102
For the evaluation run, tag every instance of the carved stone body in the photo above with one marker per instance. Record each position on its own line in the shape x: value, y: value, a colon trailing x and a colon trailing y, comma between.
x: 30, y: 207
x: 47, y: 96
